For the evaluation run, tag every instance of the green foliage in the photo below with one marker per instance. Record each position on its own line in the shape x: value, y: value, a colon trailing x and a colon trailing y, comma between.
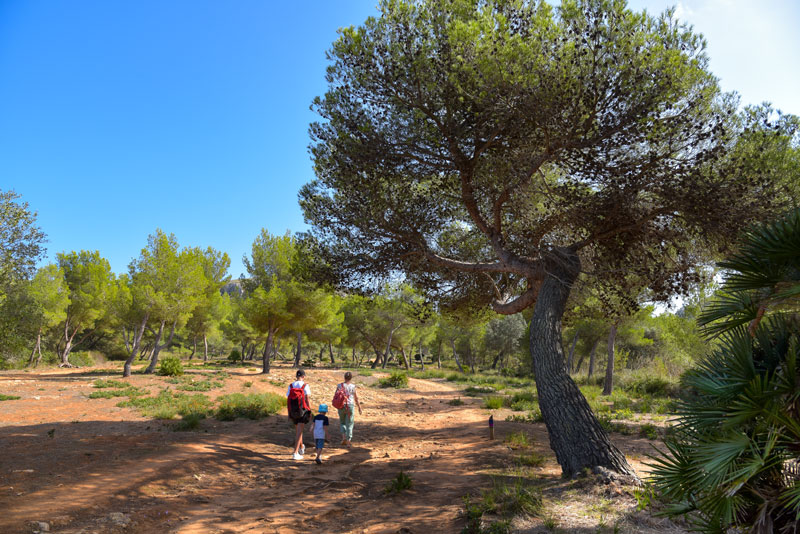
x: 729, y: 456
x: 508, y: 500
x: 309, y: 362
x: 649, y: 430
x: 235, y: 356
x: 517, y: 440
x: 4, y: 397
x: 188, y: 383
x: 473, y: 513
x: 399, y: 483
x: 533, y: 416
x: 250, y: 406
x: 396, y: 379
x: 171, y: 366
x: 102, y: 383
x: 126, y: 391
x: 455, y: 402
x: 190, y: 421
x: 531, y: 459
x: 167, y: 405
x: 494, y: 403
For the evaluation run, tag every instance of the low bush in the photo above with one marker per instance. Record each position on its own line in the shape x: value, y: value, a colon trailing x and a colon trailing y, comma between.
x: 8, y: 397
x: 128, y: 391
x: 396, y: 380
x: 531, y: 459
x: 474, y: 391
x: 187, y: 383
x: 517, y: 440
x: 109, y: 384
x: 508, y: 500
x: 494, y: 403
x: 190, y: 421
x: 167, y: 405
x: 170, y: 366
x: 455, y: 402
x: 649, y: 430
x: 250, y: 406
x: 533, y: 416
x: 399, y: 483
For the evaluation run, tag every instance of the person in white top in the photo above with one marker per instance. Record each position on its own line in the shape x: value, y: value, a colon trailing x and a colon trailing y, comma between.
x: 300, y: 421
x: 346, y: 413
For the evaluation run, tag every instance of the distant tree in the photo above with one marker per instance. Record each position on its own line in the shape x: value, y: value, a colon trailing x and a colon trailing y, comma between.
x: 50, y: 293
x: 20, y: 240
x: 91, y: 285
x: 211, y: 307
x: 493, y: 151
x: 503, y: 334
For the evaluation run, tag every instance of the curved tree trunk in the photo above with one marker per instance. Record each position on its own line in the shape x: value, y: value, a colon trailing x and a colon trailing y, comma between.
x: 609, y: 382
x: 265, y: 356
x: 455, y: 355
x: 330, y: 352
x: 576, y: 436
x: 497, y: 359
x: 137, y: 338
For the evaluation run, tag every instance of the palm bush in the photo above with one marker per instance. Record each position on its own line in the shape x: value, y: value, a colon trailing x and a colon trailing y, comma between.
x: 733, y: 457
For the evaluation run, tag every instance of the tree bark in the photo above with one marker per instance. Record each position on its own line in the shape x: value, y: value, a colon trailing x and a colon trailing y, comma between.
x: 299, y: 352
x: 591, y: 359
x: 194, y: 347
x: 455, y: 355
x: 497, y: 359
x: 157, y: 348
x: 265, y: 356
x: 330, y: 352
x: 67, y: 345
x: 405, y: 357
x: 576, y: 436
x: 572, y: 353
x: 608, y: 385
x: 421, y: 358
x: 137, y: 338
x: 439, y: 356
x: 36, y: 347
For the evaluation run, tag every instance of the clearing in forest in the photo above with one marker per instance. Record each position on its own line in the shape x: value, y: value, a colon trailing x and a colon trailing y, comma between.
x: 87, y: 465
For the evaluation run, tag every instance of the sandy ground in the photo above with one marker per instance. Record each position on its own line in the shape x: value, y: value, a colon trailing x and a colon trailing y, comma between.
x: 86, y: 466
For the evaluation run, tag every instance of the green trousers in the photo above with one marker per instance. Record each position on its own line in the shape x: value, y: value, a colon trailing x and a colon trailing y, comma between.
x: 346, y: 420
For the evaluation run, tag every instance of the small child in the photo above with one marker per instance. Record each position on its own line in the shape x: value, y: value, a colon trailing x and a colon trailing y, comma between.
x: 320, y: 430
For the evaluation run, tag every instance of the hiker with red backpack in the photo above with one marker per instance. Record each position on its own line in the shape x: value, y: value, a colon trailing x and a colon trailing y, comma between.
x: 345, y: 400
x: 297, y: 402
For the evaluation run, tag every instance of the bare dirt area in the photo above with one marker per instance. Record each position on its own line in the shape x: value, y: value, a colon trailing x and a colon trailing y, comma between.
x: 70, y: 464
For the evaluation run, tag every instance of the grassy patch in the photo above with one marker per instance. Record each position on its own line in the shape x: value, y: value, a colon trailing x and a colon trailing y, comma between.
x: 510, y: 499
x: 188, y: 383
x: 8, y: 397
x: 250, y: 406
x: 494, y: 403
x: 649, y: 430
x: 531, y: 459
x: 365, y: 372
x: 190, y: 421
x: 517, y: 440
x: 248, y: 384
x: 109, y: 384
x: 399, y: 483
x: 396, y: 380
x: 474, y: 391
x: 533, y: 416
x: 455, y: 402
x: 167, y: 405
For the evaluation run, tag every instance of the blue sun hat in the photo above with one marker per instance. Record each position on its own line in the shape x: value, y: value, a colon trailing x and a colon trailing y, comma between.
x: 323, y: 408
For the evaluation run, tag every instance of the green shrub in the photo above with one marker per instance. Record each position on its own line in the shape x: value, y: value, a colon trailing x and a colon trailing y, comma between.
x: 399, y: 483
x: 531, y: 459
x: 533, y: 416
x: 188, y: 383
x: 494, y: 403
x: 475, y: 391
x: 109, y: 384
x: 397, y: 380
x: 365, y: 372
x: 649, y: 430
x: 508, y: 500
x: 250, y: 406
x: 8, y: 397
x: 128, y: 391
x: 309, y: 362
x: 455, y: 402
x: 81, y: 359
x: 235, y: 356
x: 248, y: 384
x: 167, y: 405
x: 170, y: 366
x: 454, y: 377
x: 190, y: 421
x: 517, y: 440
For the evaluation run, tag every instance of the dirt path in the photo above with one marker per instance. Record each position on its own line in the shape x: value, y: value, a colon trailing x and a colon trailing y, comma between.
x: 85, y: 466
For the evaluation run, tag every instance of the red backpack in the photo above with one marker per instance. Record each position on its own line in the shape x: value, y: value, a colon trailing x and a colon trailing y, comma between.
x: 298, y: 404
x: 340, y: 398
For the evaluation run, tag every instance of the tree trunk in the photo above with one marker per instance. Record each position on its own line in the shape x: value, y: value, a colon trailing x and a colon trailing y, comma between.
x: 405, y: 357
x: 36, y: 348
x: 421, y: 358
x: 330, y: 352
x: 576, y: 436
x: 299, y: 353
x: 609, y: 383
x: 265, y: 357
x: 137, y: 338
x: 194, y: 347
x: 125, y: 338
x: 591, y: 359
x: 439, y: 356
x: 67, y: 346
x: 321, y: 352
x: 497, y: 359
x: 205, y: 348
x: 157, y: 348
x: 572, y: 353
x: 455, y: 355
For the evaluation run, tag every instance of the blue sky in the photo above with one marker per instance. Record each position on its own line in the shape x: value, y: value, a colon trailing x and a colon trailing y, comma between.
x: 117, y: 118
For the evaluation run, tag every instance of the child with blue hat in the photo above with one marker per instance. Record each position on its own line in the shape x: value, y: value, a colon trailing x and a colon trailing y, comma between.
x: 320, y: 430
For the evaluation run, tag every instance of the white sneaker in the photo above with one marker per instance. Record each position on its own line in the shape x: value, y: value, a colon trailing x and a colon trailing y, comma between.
x: 297, y: 456
x: 302, y: 450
